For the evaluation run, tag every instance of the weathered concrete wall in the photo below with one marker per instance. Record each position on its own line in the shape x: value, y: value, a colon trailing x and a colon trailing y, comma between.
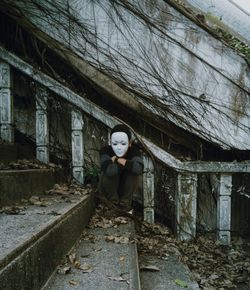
x: 227, y: 12
x: 197, y: 81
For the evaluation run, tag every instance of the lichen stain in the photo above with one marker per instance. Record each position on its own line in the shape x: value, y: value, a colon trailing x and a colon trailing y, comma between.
x: 151, y: 6
x: 239, y: 103
x: 192, y: 36
x: 240, y: 98
x: 188, y: 70
x: 166, y: 15
x: 160, y: 10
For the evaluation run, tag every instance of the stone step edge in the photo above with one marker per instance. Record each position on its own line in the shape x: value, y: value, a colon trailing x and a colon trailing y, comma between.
x: 14, y: 182
x: 47, y: 227
x: 5, y: 171
x: 35, y: 264
x: 135, y: 283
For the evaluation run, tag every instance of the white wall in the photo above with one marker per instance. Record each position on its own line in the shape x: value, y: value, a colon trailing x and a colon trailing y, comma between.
x: 167, y: 57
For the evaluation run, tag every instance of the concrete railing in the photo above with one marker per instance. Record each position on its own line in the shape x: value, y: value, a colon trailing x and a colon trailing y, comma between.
x: 186, y: 193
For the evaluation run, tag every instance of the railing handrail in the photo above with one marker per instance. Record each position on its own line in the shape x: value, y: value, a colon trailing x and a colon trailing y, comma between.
x: 103, y: 116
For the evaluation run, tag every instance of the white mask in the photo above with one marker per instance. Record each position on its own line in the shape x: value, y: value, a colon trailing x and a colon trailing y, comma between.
x: 119, y: 143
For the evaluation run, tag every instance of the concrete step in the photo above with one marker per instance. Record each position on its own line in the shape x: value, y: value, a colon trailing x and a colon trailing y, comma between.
x: 10, y: 152
x: 105, y: 258
x: 20, y: 184
x: 170, y: 274
x: 34, y: 239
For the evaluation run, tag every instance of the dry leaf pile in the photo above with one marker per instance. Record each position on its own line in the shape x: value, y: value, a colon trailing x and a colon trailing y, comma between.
x: 118, y: 239
x: 13, y: 210
x: 73, y: 262
x: 105, y: 218
x: 156, y: 240
x: 25, y: 164
x: 65, y: 190
x: 213, y: 265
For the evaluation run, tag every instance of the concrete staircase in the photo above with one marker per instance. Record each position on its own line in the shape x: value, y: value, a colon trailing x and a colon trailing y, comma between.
x: 39, y: 223
x: 45, y: 243
x: 106, y: 258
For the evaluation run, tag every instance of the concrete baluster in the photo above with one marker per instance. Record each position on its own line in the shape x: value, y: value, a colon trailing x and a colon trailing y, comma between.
x: 186, y: 203
x: 6, y: 103
x: 77, y: 145
x: 42, y: 126
x: 224, y: 208
x: 148, y: 190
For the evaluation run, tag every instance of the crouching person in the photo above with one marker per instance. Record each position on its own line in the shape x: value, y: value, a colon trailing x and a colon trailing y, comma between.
x: 121, y: 167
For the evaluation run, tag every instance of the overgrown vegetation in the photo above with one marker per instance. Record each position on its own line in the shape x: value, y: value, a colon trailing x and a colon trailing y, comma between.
x: 235, y: 43
x: 145, y: 67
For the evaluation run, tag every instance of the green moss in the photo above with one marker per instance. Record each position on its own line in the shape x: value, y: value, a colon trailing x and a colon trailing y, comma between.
x: 234, y: 42
x: 213, y: 19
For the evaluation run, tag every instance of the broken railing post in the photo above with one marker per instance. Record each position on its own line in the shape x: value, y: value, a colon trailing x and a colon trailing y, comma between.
x: 224, y: 208
x: 148, y: 190
x: 77, y: 145
x: 42, y: 126
x: 6, y: 103
x: 186, y: 203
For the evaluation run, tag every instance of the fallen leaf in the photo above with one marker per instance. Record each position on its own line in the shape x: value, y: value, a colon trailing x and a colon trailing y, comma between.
x: 86, y: 268
x: 118, y: 279
x: 122, y: 258
x: 73, y: 282
x: 150, y: 268
x: 110, y: 238
x: 98, y: 249
x: 121, y: 220
x: 64, y: 270
x: 181, y: 283
x: 121, y: 240
x: 77, y: 264
x: 72, y: 258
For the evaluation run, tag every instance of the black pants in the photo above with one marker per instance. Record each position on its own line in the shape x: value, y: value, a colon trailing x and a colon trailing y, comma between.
x: 119, y: 188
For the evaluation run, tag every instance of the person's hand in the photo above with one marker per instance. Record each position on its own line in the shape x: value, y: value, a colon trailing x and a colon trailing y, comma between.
x: 121, y: 161
x: 114, y: 159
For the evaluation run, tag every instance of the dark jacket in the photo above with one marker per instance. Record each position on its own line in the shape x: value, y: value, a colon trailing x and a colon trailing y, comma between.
x: 134, y: 162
